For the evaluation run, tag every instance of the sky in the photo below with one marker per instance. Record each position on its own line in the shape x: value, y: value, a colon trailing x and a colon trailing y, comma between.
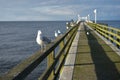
x: 52, y: 10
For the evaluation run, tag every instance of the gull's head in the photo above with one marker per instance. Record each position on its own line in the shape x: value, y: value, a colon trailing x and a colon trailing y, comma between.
x: 39, y: 32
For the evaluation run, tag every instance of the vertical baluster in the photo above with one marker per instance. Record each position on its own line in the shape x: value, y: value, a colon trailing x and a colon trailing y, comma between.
x: 111, y: 35
x: 65, y: 41
x: 62, y: 56
x: 107, y: 29
x: 118, y: 40
x: 104, y: 28
x: 50, y: 60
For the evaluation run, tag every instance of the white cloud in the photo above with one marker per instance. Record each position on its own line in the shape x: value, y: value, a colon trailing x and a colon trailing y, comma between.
x: 55, y: 10
x: 48, y: 2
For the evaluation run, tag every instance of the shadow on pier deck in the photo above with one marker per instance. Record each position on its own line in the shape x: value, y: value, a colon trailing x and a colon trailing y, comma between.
x: 95, y: 60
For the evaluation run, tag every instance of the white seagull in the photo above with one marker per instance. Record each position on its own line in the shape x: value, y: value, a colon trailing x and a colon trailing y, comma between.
x: 87, y: 33
x: 67, y: 27
x: 59, y: 32
x: 42, y: 40
x: 56, y: 34
x: 39, y: 39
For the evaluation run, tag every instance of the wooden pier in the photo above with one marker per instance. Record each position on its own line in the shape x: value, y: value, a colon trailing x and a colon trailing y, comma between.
x: 95, y: 59
x: 87, y: 51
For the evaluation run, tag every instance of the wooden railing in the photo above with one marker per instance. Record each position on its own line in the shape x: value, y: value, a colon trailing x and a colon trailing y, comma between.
x: 54, y: 61
x: 110, y: 33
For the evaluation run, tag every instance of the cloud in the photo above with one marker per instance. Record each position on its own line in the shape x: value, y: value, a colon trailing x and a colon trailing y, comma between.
x: 54, y: 10
x: 57, y: 9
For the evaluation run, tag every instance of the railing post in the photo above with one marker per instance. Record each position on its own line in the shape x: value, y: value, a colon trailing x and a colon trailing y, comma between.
x: 66, y: 49
x: 50, y: 60
x: 118, y: 40
x: 62, y: 56
x: 117, y: 44
x: 111, y: 35
x: 108, y: 33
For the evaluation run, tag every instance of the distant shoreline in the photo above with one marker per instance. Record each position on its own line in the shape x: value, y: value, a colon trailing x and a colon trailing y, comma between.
x: 32, y: 21
x: 54, y: 20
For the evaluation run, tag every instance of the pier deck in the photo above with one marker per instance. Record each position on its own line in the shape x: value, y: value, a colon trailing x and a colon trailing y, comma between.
x: 95, y: 60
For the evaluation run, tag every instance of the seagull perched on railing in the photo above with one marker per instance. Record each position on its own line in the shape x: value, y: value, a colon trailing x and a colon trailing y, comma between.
x: 42, y: 40
x: 87, y: 33
x: 59, y: 32
x: 56, y: 34
x: 67, y: 25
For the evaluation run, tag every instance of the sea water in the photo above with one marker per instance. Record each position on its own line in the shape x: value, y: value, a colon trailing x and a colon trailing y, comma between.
x: 18, y: 41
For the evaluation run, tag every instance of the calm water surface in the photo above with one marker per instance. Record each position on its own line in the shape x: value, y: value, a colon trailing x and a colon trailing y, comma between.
x: 17, y: 41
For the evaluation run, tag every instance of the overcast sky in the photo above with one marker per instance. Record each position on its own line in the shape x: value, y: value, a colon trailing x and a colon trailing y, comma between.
x: 35, y: 10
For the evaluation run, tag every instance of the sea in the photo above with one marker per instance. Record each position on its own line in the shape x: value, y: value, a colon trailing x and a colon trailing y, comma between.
x: 18, y: 41
x: 111, y: 23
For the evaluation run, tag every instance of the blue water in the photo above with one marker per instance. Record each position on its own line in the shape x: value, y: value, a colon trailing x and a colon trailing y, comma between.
x: 17, y: 41
x: 112, y: 23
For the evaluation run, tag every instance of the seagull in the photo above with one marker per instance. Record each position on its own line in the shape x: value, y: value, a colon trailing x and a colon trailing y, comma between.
x: 67, y: 27
x: 56, y: 34
x: 87, y: 33
x: 59, y: 32
x: 42, y: 40
x: 39, y: 39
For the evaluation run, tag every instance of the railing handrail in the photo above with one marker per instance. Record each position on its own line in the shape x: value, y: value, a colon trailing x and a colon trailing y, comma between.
x: 23, y: 69
x: 113, y: 34
x: 104, y: 26
x: 55, y: 62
